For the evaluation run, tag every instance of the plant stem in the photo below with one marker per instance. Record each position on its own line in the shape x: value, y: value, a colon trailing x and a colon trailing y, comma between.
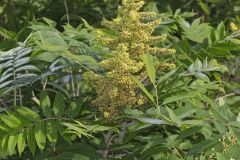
x: 45, y: 84
x: 72, y: 80
x: 46, y: 119
x: 20, y: 96
x: 14, y: 81
x: 15, y: 97
x: 109, y: 137
x: 178, y: 153
x: 66, y: 8
x: 108, y: 141
x: 122, y: 132
x: 156, y: 94
x: 228, y: 95
x: 35, y: 99
x: 5, y: 105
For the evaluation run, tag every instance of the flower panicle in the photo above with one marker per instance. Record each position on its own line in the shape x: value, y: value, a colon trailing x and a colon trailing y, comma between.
x: 133, y: 37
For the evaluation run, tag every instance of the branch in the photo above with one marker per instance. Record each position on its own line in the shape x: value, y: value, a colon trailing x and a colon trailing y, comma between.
x: 228, y: 95
x: 122, y: 133
x: 109, y: 137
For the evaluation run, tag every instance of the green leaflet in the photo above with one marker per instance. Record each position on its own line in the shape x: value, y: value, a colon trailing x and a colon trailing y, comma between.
x: 12, y: 142
x: 75, y: 108
x: 28, y: 113
x: 45, y: 103
x: 4, y: 143
x: 203, y: 6
x: 21, y: 143
x: 31, y: 140
x: 7, y: 34
x: 16, y: 62
x: 154, y: 151
x: 148, y: 61
x: 58, y: 105
x: 220, y: 32
x: 178, y: 98
x: 51, y: 129
x: 220, y: 126
x: 99, y: 128
x: 197, y: 31
x: 4, y: 127
x: 81, y: 59
x: 152, y: 121
x: 46, y: 56
x: 50, y: 22
x: 173, y: 116
x: 189, y: 132
x: 203, y: 145
x: 40, y: 135
x: 150, y: 96
x: 11, y: 121
x: 166, y: 76
x: 76, y: 128
x: 51, y: 41
x: 72, y: 156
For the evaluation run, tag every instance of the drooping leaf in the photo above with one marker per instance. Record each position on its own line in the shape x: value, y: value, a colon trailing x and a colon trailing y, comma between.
x: 4, y: 143
x: 12, y: 142
x: 7, y: 34
x: 28, y: 113
x: 50, y: 22
x: 40, y: 135
x: 59, y: 104
x: 11, y: 120
x: 79, y: 129
x: 75, y: 108
x: 45, y: 103
x: 51, y: 130
x: 31, y: 140
x: 173, y: 116
x: 21, y: 143
x: 220, y: 32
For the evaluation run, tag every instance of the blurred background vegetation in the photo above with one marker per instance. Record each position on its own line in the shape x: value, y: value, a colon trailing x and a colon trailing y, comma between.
x: 15, y: 14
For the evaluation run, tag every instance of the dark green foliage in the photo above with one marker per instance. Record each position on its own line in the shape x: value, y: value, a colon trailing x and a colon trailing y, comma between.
x: 191, y: 111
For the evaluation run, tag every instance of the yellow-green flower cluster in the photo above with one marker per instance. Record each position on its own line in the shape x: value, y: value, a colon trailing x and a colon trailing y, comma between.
x: 134, y: 29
